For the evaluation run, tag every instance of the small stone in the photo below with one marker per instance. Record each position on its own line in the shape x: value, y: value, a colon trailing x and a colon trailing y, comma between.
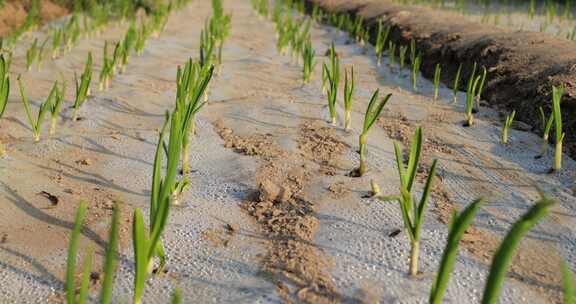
x: 269, y: 191
x: 84, y: 162
x: 301, y: 294
x: 226, y: 131
x: 94, y: 277
x: 232, y: 227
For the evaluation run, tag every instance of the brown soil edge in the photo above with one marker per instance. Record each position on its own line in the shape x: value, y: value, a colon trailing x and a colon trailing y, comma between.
x: 521, y: 65
x: 14, y: 12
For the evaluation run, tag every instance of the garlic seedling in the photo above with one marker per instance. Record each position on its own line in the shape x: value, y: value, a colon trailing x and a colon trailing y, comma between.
x: 391, y: 54
x: 71, y: 297
x: 82, y: 87
x: 458, y: 225
x: 141, y: 39
x: 35, y: 123
x: 375, y: 188
x: 568, y: 284
x: 117, y: 58
x: 470, y: 93
x: 381, y: 39
x: 503, y: 256
x: 557, y: 93
x: 412, y: 213
x: 56, y: 42
x: 316, y: 13
x: 56, y: 98
x: 206, y: 47
x: 106, y: 70
x: 308, y: 55
x: 70, y: 33
x: 456, y: 84
x: 128, y: 46
x: 300, y: 37
x: 365, y: 39
x: 506, y: 127
x: 349, y: 87
x: 340, y: 22
x: 437, y: 72
x: 532, y: 9
x: 31, y: 54
x: 415, y: 71
x: 41, y: 54
x: 4, y: 84
x: 285, y: 30
x: 373, y: 111
x: 333, y: 81
x: 110, y: 260
x: 480, y: 88
x: 546, y: 127
x: 178, y: 191
x: 402, y: 56
x: 278, y: 11
x: 4, y: 92
x: 220, y: 28
x: 192, y: 84
x: 147, y: 243
x: 176, y: 297
x: 358, y: 27
x: 332, y: 94
x: 412, y: 51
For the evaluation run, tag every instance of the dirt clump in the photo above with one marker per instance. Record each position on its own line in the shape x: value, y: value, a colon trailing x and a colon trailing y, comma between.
x: 84, y: 162
x: 290, y: 222
x: 436, y: 145
x: 218, y: 237
x: 320, y: 145
x: 254, y: 145
x: 339, y: 190
x: 299, y: 269
x: 397, y: 127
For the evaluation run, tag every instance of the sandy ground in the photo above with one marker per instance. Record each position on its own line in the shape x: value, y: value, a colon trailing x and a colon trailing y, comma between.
x: 324, y: 241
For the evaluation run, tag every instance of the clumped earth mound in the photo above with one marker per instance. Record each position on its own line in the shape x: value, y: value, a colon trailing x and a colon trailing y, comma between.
x: 13, y: 13
x: 522, y: 66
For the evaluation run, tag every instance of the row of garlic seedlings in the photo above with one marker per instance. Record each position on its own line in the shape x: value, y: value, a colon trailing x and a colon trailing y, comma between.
x: 167, y: 188
x: 296, y: 34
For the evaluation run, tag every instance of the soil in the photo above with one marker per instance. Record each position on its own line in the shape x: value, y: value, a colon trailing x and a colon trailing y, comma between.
x: 272, y: 214
x: 14, y: 13
x: 320, y: 144
x: 522, y: 65
x: 299, y: 270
